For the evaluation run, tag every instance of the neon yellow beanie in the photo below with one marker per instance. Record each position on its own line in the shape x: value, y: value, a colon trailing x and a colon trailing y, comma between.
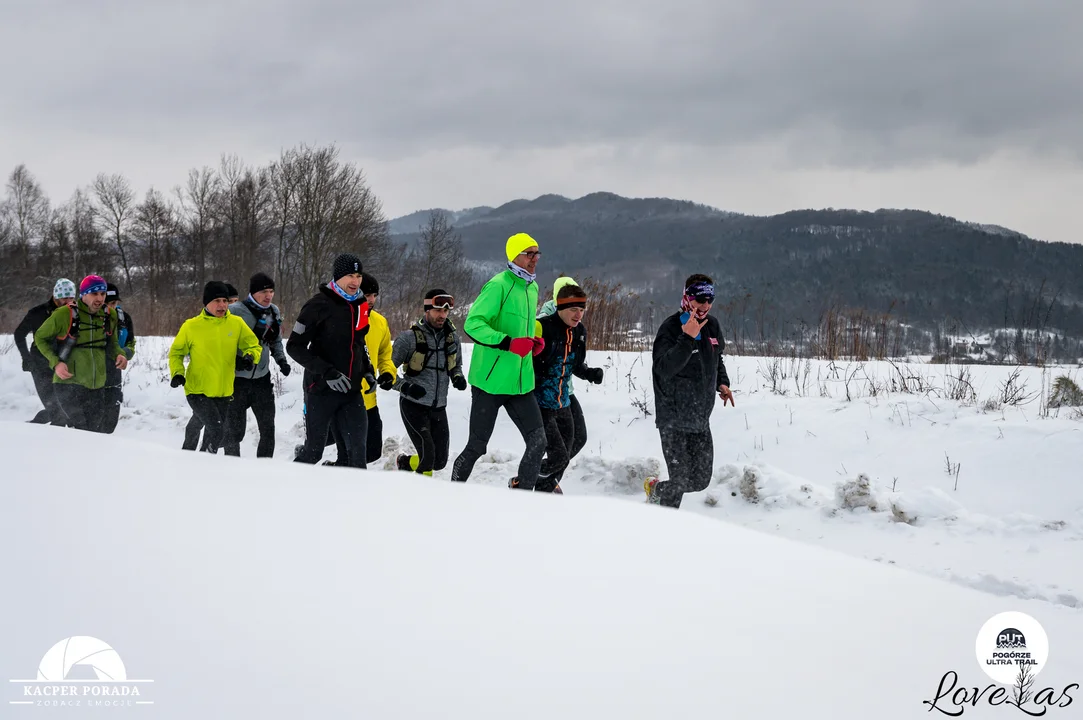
x: 518, y: 243
x: 562, y: 282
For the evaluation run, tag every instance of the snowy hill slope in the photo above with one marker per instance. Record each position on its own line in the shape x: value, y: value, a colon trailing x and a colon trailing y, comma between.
x: 263, y: 589
x: 1003, y: 523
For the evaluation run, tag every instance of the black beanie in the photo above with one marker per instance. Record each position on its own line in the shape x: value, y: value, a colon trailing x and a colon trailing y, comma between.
x: 215, y: 289
x: 369, y: 285
x: 346, y: 264
x: 260, y: 281
x: 232, y: 291
x: 434, y: 292
x: 111, y: 293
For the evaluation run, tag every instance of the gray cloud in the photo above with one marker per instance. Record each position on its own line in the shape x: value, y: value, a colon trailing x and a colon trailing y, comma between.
x: 857, y: 83
x: 731, y: 102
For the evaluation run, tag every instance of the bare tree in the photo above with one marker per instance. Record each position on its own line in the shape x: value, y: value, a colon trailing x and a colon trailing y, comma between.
x: 86, y: 237
x: 28, y: 211
x: 438, y: 258
x: 335, y: 212
x: 244, y: 213
x: 284, y: 176
x: 230, y: 174
x: 113, y: 212
x: 55, y: 248
x: 9, y: 290
x: 153, y: 226
x: 196, y: 219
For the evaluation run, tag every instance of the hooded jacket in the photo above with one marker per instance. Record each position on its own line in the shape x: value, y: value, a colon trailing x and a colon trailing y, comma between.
x: 686, y: 374
x: 329, y: 333
x: 95, y: 344
x: 212, y: 345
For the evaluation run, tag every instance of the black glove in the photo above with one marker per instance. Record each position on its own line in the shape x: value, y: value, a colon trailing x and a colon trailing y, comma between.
x: 412, y: 390
x: 26, y: 364
x: 177, y: 381
x: 244, y: 363
x: 458, y: 381
x: 371, y: 380
x: 386, y: 381
x: 594, y: 375
x: 270, y: 334
x: 337, y: 381
x: 284, y: 367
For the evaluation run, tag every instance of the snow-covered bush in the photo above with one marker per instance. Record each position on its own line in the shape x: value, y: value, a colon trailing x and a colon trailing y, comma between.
x: 854, y: 494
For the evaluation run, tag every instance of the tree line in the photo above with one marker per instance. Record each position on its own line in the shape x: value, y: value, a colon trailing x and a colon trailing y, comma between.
x: 863, y: 285
x: 288, y: 218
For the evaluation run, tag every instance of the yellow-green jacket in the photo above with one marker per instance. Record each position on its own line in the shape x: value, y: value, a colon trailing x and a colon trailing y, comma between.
x: 212, y: 345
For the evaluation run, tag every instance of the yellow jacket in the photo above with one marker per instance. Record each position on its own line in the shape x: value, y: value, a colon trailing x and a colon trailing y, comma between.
x: 212, y: 345
x: 378, y: 341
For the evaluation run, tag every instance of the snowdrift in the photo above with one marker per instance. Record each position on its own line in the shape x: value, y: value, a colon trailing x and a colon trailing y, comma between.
x: 247, y: 588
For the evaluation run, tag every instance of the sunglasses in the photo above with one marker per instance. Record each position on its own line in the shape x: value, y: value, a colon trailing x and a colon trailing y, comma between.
x: 531, y: 253
x: 704, y: 298
x: 440, y: 302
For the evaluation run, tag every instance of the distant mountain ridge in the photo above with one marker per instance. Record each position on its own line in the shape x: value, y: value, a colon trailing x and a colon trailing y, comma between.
x: 923, y: 267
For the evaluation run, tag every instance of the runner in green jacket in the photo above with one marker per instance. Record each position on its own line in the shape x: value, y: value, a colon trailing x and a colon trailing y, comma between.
x: 78, y: 342
x: 501, y: 325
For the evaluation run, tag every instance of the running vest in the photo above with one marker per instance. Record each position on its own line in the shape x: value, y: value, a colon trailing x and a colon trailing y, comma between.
x: 70, y: 339
x: 422, y: 351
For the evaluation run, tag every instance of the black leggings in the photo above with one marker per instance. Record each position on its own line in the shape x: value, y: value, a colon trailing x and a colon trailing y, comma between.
x: 428, y: 431
x: 43, y: 383
x: 114, y: 398
x: 374, y: 444
x: 689, y: 460
x: 346, y: 413
x: 84, y: 409
x: 559, y: 439
x: 523, y: 411
x: 210, y: 413
x: 580, y: 439
x: 259, y: 395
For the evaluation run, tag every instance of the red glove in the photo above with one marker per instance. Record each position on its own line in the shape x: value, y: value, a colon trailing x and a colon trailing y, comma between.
x: 521, y: 346
x: 539, y: 345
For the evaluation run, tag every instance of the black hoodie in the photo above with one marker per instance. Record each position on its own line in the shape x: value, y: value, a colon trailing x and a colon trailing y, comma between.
x: 687, y: 374
x: 330, y: 333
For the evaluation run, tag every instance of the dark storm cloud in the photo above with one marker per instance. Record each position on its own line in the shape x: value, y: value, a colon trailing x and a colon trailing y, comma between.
x: 861, y: 84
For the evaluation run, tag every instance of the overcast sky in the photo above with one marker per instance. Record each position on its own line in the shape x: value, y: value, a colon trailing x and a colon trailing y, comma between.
x: 971, y: 108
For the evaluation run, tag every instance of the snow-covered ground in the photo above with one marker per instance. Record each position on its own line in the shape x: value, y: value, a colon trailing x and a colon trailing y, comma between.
x: 400, y: 596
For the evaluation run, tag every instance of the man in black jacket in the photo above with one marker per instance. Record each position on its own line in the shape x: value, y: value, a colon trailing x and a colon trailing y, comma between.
x: 328, y: 340
x: 34, y: 362
x: 688, y: 370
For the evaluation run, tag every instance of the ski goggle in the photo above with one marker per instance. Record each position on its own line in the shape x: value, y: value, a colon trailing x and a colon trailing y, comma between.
x: 440, y: 302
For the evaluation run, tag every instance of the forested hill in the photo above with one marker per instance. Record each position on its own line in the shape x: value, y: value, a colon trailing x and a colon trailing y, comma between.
x: 926, y: 269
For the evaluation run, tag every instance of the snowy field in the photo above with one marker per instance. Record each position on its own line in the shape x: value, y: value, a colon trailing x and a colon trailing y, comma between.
x: 265, y: 587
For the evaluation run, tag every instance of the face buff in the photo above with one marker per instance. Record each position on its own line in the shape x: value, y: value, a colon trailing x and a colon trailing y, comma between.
x: 334, y: 286
x: 521, y: 273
